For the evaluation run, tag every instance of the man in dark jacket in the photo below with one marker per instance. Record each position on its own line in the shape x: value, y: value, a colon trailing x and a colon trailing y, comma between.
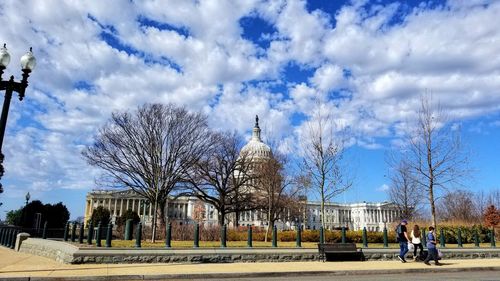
x: 402, y: 236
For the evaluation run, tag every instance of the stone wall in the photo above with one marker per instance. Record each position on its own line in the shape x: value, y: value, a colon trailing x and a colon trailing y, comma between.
x: 468, y: 253
x: 67, y: 253
x: 56, y: 250
x: 212, y: 255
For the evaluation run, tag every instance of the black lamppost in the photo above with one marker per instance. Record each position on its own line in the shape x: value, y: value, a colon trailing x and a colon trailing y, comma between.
x: 28, y: 63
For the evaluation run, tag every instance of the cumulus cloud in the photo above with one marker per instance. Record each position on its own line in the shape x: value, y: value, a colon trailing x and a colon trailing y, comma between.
x: 368, y: 64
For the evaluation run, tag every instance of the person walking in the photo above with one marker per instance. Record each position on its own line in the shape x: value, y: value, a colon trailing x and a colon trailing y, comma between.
x: 431, y: 247
x: 415, y: 240
x: 402, y: 237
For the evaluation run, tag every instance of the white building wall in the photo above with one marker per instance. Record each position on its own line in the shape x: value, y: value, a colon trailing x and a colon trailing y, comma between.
x: 354, y: 216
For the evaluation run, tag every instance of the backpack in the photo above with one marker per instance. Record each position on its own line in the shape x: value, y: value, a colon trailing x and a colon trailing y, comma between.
x: 398, y: 232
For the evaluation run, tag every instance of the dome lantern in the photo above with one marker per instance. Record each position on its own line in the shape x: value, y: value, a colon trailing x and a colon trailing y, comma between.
x: 256, y: 148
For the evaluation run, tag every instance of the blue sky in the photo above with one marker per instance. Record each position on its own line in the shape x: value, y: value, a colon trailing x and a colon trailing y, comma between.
x: 367, y: 61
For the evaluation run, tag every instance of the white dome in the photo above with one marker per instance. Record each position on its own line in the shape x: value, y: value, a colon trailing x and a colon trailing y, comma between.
x: 255, y: 148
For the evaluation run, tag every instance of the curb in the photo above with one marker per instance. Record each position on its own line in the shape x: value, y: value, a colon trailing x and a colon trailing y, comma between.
x: 218, y: 276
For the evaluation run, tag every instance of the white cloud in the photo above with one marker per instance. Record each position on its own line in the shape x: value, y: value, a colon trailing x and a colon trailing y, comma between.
x: 383, y: 188
x: 372, y: 59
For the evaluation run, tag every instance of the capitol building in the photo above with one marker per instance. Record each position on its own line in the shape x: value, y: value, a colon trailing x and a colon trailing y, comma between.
x: 355, y: 216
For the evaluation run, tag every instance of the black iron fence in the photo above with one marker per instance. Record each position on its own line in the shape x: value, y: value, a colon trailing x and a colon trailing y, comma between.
x: 76, y: 232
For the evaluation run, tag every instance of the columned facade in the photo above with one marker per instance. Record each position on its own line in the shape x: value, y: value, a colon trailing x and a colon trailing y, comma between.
x: 355, y: 216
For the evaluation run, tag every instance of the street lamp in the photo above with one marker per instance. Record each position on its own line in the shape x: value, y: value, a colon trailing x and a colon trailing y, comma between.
x: 28, y: 63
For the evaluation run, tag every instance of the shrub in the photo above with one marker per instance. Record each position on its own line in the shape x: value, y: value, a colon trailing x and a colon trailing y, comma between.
x: 102, y: 215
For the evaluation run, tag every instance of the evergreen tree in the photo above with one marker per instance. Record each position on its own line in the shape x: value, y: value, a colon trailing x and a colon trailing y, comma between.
x: 491, y: 216
x: 101, y: 214
x: 129, y: 214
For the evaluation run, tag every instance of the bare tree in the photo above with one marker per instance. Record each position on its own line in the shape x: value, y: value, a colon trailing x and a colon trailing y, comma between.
x: 435, y: 153
x: 494, y: 197
x: 149, y: 151
x: 323, y: 158
x: 275, y: 189
x: 223, y: 176
x: 482, y: 200
x: 404, y: 191
x: 459, y: 205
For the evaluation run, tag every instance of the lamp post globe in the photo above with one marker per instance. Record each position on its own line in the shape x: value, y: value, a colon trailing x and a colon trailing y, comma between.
x: 28, y: 61
x: 4, y: 57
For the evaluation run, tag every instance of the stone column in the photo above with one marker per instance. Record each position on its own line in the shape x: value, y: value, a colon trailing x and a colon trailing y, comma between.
x: 114, y: 211
x: 121, y: 207
x: 87, y: 208
x: 186, y: 208
x: 133, y: 204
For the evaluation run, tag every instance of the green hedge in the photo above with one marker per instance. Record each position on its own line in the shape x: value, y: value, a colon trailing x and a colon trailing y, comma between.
x: 333, y: 236
x: 451, y: 234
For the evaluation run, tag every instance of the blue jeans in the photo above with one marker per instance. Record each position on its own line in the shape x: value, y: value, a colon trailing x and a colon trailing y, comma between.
x: 403, y: 249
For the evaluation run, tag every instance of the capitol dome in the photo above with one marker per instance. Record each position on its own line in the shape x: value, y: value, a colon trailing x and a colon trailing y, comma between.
x: 255, y: 148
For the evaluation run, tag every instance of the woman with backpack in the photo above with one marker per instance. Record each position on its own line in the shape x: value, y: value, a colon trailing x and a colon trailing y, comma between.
x: 415, y: 240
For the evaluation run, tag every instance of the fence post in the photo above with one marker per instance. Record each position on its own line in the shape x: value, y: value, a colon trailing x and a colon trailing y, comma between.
x: 168, y: 239
x: 275, y: 237
x: 365, y: 239
x: 476, y: 238
x: 223, y: 237
x: 424, y: 238
x: 14, y: 236
x: 73, y: 231
x: 343, y: 234
x: 138, y: 235
x: 386, y: 242
x: 299, y: 237
x: 321, y: 235
x: 98, y: 235
x: 441, y: 238
x: 81, y: 233
x: 4, y: 234
x: 196, y: 236
x: 128, y: 230
x: 7, y: 237
x: 492, y: 237
x: 66, y: 230
x: 90, y: 232
x: 109, y: 235
x: 44, y: 232
x: 249, y: 237
x: 459, y: 238
x: 2, y: 230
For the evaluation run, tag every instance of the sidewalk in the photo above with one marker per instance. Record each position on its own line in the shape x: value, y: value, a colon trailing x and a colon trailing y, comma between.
x: 15, y: 264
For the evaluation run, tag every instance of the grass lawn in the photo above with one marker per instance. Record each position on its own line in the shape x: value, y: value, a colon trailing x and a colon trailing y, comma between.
x: 256, y: 244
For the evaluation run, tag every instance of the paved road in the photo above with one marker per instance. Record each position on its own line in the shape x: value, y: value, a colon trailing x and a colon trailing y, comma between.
x: 452, y: 276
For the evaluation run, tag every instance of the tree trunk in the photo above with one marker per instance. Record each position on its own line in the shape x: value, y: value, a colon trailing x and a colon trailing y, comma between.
x: 433, y: 206
x: 322, y: 212
x: 155, y: 216
x: 222, y: 217
x: 163, y: 215
x: 269, y: 222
